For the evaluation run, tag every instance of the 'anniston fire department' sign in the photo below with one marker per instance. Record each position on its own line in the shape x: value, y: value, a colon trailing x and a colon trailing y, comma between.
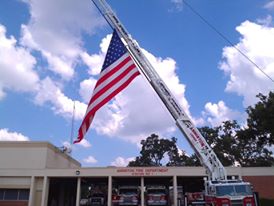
x: 142, y: 171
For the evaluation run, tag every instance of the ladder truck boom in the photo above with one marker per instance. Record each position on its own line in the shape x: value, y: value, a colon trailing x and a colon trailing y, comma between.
x: 218, y: 190
x: 214, y: 168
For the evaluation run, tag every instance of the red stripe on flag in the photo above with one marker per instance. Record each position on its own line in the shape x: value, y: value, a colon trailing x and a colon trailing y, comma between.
x: 118, y: 71
x: 112, y: 83
x: 86, y: 122
x: 103, y: 102
x: 109, y: 97
x: 112, y: 71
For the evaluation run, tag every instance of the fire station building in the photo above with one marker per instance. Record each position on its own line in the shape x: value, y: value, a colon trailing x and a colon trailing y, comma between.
x: 38, y: 173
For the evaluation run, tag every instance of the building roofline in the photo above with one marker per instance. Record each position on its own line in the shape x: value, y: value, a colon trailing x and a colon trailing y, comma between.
x: 35, y: 144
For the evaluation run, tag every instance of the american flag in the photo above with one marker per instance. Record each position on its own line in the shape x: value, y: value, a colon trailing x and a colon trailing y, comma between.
x: 117, y: 72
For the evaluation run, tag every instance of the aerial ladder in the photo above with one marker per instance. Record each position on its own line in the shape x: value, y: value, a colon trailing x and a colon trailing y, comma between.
x: 217, y: 181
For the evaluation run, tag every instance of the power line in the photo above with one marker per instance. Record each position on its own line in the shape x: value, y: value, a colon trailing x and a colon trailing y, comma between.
x: 226, y: 39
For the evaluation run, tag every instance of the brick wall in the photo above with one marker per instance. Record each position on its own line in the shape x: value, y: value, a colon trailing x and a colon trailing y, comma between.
x: 262, y: 184
x: 13, y: 203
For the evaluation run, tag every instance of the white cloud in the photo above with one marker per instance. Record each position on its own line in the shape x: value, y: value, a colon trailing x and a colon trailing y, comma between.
x: 90, y: 160
x: 137, y: 111
x: 16, y: 66
x: 60, y: 65
x: 267, y: 21
x: 85, y: 143
x: 61, y: 104
x: 6, y: 135
x: 121, y: 161
x: 215, y: 114
x: 95, y: 61
x: 86, y: 88
x: 244, y: 78
x: 269, y: 5
x: 55, y: 30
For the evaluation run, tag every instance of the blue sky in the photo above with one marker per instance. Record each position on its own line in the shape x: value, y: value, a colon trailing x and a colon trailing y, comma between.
x: 51, y: 53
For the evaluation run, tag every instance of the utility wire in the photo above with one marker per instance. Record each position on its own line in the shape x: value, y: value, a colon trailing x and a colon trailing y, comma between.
x: 226, y: 39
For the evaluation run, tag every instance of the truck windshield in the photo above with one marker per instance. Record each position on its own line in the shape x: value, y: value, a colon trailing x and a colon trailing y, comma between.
x: 128, y: 191
x: 233, y: 190
x: 156, y: 191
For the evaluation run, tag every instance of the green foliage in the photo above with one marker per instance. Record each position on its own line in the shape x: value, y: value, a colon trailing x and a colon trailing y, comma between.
x: 154, y: 150
x: 258, y: 137
x: 233, y: 144
x: 249, y: 146
x: 261, y: 118
x: 222, y: 140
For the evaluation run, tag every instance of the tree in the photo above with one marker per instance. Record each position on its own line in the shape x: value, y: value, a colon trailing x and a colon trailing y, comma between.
x: 248, y: 146
x: 261, y: 118
x: 223, y: 141
x: 258, y: 137
x: 154, y: 150
x: 253, y: 153
x: 234, y: 145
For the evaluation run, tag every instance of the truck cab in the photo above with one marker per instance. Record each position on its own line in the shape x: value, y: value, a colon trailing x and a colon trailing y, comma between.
x: 229, y: 193
x: 156, y: 195
x: 129, y: 195
x: 97, y: 199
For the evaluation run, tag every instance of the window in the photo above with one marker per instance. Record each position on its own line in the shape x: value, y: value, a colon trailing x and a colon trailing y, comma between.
x: 243, y: 190
x: 14, y: 194
x: 1, y: 194
x: 233, y: 190
x: 129, y: 191
x: 11, y: 194
x: 24, y: 194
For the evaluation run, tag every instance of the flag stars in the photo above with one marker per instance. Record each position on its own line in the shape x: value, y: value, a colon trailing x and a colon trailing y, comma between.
x: 105, y: 93
x: 116, y: 50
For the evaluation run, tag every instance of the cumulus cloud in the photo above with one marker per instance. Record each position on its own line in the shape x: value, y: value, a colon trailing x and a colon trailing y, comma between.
x: 244, y: 78
x: 49, y: 92
x: 267, y: 21
x: 57, y: 38
x: 86, y: 88
x: 134, y: 113
x: 269, y: 5
x: 6, y: 135
x: 215, y: 114
x: 58, y: 35
x: 90, y: 160
x: 85, y: 143
x: 137, y: 111
x: 16, y: 66
x: 121, y: 161
x: 95, y: 61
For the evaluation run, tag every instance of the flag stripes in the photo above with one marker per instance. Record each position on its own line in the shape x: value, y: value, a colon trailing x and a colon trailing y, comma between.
x: 113, y: 79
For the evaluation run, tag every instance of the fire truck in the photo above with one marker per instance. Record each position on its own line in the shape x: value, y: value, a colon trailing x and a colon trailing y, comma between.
x: 218, y: 190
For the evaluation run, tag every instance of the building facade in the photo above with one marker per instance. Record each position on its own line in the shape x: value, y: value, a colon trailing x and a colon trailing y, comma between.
x: 38, y: 173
